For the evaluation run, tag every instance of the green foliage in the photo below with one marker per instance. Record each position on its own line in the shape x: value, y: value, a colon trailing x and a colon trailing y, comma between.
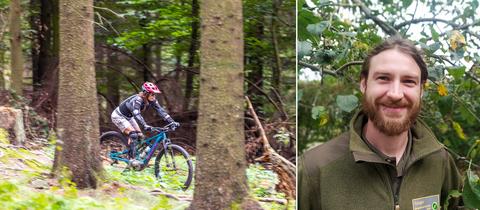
x: 471, y: 190
x: 331, y: 35
x: 4, y: 136
x: 347, y: 103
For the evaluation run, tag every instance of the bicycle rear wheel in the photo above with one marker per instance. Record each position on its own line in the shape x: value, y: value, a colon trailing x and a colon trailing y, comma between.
x: 174, y: 166
x: 111, y: 141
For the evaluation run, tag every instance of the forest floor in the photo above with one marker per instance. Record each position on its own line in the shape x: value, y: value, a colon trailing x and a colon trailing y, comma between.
x: 25, y: 183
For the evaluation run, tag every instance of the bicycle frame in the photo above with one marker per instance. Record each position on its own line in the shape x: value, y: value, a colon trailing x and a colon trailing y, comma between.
x: 153, y: 142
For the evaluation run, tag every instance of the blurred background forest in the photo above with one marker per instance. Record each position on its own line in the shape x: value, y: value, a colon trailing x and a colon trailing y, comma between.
x: 335, y: 36
x: 157, y: 41
x: 137, y: 41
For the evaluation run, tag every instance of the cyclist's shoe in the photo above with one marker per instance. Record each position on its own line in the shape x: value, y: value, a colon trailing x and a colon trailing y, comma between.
x: 135, y: 164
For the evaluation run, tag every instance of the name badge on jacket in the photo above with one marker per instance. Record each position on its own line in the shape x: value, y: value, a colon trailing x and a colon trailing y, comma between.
x: 431, y: 202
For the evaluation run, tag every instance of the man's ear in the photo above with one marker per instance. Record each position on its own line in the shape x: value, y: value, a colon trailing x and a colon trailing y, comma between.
x: 363, y: 84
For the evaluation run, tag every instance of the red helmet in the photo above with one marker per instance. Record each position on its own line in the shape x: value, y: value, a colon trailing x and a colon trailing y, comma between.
x: 149, y: 87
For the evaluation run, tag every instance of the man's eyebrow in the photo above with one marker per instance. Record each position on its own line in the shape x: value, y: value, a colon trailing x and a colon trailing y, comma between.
x: 416, y: 77
x: 381, y: 74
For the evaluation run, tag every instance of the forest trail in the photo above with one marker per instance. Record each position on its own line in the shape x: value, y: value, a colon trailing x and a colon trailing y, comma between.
x: 25, y: 181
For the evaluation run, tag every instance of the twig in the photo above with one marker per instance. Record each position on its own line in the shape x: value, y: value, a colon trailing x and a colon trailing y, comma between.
x: 267, y: 96
x: 109, y: 10
x: 282, y: 105
x: 135, y: 59
x: 169, y: 195
x: 273, y: 200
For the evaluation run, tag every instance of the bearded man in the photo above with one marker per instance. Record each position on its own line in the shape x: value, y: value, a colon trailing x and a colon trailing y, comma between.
x: 389, y: 158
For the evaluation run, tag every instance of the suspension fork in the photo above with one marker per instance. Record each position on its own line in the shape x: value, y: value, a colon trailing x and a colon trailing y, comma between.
x: 168, y: 153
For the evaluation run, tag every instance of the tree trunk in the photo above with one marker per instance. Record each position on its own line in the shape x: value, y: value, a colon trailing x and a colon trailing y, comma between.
x: 158, y: 60
x: 16, y: 46
x: 48, y: 55
x: 35, y: 27
x: 78, y: 126
x: 255, y: 63
x: 2, y: 69
x: 113, y: 83
x: 191, y: 55
x: 146, y: 51
x: 277, y: 63
x: 220, y: 179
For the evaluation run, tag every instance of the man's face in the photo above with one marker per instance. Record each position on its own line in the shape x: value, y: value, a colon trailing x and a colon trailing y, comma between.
x: 392, y: 92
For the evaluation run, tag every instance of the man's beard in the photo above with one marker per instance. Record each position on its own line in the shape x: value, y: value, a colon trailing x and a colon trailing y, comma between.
x: 390, y: 127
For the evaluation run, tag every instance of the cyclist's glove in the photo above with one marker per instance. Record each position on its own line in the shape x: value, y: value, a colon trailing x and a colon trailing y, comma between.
x: 174, y: 125
x: 147, y: 128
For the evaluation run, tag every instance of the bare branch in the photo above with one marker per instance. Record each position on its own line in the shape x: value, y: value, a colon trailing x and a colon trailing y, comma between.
x: 346, y: 65
x: 420, y: 20
x: 314, y: 68
x: 333, y: 73
x: 384, y: 26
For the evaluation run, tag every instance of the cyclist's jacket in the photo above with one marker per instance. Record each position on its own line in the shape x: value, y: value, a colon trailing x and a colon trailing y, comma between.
x: 133, y: 105
x: 346, y: 173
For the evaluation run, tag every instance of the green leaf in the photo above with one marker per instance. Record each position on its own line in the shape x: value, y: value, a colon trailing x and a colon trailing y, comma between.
x: 406, y: 3
x: 435, y: 73
x: 347, y: 103
x: 318, y: 111
x: 318, y: 28
x: 445, y: 104
x: 305, y: 18
x: 434, y: 47
x: 471, y: 190
x: 457, y: 72
x: 304, y: 48
x: 452, y: 194
x: 435, y: 34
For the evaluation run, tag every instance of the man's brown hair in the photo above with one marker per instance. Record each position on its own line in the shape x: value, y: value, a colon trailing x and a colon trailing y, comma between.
x: 402, y: 45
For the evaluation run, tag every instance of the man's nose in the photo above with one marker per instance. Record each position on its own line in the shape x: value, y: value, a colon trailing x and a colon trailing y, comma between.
x: 395, y: 91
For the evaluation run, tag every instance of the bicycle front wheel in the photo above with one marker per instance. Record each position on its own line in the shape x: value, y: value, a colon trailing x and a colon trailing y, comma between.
x: 174, y: 166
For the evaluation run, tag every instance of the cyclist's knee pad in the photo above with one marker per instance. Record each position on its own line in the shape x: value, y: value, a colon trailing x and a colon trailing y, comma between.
x: 133, y: 135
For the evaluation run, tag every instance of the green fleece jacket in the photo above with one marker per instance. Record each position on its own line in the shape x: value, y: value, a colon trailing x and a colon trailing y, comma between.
x: 345, y: 173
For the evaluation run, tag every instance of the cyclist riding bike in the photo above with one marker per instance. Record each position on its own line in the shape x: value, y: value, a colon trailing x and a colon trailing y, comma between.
x: 125, y: 114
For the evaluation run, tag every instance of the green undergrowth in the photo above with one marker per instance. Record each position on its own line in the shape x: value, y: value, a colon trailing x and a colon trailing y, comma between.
x: 262, y: 185
x: 14, y: 195
x: 29, y: 186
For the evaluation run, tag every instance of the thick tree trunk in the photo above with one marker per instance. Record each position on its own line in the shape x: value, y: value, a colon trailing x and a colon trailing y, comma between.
x: 191, y: 55
x: 77, y: 125
x: 277, y: 63
x: 16, y: 46
x: 220, y: 179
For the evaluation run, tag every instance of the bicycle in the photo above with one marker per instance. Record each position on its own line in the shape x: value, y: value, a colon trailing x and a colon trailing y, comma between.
x: 171, y: 160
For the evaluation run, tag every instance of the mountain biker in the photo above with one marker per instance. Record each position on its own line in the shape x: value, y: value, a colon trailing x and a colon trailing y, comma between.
x: 123, y: 116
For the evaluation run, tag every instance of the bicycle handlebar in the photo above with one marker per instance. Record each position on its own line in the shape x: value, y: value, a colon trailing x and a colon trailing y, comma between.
x: 166, y: 128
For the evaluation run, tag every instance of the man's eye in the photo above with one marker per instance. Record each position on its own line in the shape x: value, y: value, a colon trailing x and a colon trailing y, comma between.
x: 383, y: 78
x: 410, y: 82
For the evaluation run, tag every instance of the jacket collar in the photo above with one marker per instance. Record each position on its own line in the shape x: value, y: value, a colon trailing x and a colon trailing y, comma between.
x: 423, y: 141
